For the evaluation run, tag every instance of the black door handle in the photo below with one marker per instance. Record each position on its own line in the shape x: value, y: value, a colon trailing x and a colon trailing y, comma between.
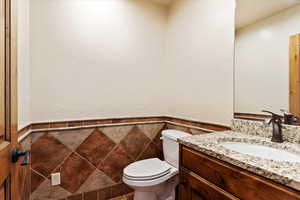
x: 183, y: 182
x: 16, y: 154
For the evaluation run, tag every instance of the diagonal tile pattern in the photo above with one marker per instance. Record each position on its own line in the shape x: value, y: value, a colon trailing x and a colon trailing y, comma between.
x: 47, y: 153
x: 72, y: 138
x: 134, y: 142
x: 95, y: 181
x: 157, y: 139
x: 46, y: 192
x: 36, y: 180
x: 74, y: 172
x: 151, y: 151
x: 151, y: 130
x: 115, y: 162
x: 90, y: 160
x: 96, y: 147
x: 36, y: 136
x: 116, y: 133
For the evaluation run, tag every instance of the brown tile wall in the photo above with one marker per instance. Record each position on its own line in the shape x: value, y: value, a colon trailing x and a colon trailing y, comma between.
x: 86, y: 159
x: 86, y: 156
x: 23, y: 173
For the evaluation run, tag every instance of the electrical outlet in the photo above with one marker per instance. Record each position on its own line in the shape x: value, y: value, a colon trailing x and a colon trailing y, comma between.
x: 55, y: 179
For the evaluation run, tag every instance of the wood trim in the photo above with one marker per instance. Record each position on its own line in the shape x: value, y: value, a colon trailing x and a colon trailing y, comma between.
x: 7, y: 69
x: 2, y: 69
x: 294, y: 75
x: 205, y: 188
x: 11, y: 71
x: 11, y: 134
x: 4, y: 170
x: 8, y: 97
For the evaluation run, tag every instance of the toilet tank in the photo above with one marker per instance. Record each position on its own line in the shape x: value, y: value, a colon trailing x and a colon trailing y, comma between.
x: 171, y: 146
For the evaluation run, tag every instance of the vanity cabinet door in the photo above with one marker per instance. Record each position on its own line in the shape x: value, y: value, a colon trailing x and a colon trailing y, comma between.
x: 236, y: 181
x: 193, y: 187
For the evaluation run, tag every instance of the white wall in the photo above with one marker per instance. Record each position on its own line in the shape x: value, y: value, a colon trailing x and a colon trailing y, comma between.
x: 200, y: 59
x: 118, y: 58
x: 96, y: 59
x: 262, y: 62
x: 24, y: 93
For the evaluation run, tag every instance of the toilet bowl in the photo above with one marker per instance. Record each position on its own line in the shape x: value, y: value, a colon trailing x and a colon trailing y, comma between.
x: 154, y: 179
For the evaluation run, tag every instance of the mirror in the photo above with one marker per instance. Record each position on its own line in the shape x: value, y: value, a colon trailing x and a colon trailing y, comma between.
x: 267, y: 44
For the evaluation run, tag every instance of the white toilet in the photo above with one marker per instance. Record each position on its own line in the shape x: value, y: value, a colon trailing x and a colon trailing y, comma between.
x: 153, y: 179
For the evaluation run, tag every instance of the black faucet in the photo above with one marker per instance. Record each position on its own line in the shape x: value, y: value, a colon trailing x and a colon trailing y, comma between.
x: 276, y: 121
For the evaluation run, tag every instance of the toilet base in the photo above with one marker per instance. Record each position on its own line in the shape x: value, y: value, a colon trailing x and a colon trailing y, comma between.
x: 163, y: 191
x: 138, y: 195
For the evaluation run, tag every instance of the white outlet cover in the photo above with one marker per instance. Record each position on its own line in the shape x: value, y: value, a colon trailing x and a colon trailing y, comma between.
x: 55, y: 179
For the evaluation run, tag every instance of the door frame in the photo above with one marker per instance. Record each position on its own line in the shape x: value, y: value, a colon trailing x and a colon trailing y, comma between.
x: 8, y: 94
x: 294, y: 75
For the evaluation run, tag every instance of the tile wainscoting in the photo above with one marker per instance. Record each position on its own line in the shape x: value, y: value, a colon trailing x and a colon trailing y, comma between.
x: 86, y: 155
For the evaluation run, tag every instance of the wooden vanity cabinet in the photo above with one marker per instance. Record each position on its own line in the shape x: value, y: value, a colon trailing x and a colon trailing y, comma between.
x: 203, y: 177
x: 193, y: 187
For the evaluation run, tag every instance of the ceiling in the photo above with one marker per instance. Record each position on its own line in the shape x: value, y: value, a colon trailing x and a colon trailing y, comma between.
x: 163, y: 1
x: 250, y: 11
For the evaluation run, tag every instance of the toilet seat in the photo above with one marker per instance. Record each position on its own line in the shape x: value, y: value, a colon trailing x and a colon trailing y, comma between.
x: 152, y: 179
x: 148, y: 169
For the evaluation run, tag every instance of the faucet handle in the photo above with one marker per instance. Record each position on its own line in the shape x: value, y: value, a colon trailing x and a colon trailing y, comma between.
x: 275, y: 118
x: 273, y: 114
x: 276, y: 121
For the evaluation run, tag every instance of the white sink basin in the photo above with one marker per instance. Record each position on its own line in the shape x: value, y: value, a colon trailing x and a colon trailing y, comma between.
x: 262, y: 151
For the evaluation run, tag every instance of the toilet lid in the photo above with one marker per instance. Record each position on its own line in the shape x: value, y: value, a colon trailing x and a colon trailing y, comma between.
x: 147, y: 169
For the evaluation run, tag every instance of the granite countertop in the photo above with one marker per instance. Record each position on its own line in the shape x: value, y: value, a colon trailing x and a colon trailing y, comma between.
x: 286, y: 173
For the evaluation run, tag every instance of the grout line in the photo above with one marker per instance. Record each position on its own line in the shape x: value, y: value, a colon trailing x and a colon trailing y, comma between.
x: 112, y: 150
x: 39, y: 173
x: 140, y: 154
x: 96, y: 168
x: 61, y: 163
x: 115, y: 147
x: 85, y: 159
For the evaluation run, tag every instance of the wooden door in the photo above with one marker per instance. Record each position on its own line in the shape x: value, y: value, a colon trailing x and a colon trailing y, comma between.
x: 294, y: 93
x: 8, y: 99
x: 193, y: 187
